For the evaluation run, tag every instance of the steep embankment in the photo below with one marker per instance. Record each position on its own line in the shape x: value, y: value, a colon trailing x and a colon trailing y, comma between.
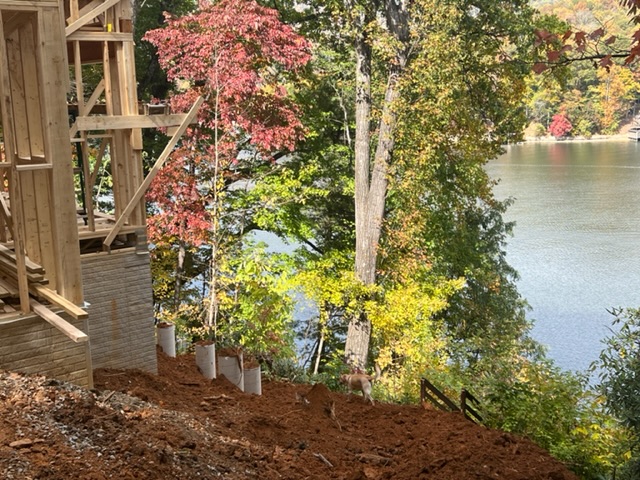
x: 178, y: 425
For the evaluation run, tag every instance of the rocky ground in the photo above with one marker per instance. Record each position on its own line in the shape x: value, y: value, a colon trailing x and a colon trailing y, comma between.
x: 178, y: 425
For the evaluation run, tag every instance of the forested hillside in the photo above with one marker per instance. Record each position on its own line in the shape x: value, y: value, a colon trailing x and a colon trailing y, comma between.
x: 357, y: 133
x: 590, y: 100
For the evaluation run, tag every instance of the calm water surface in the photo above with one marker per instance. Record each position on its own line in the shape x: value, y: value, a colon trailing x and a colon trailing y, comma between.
x: 576, y: 241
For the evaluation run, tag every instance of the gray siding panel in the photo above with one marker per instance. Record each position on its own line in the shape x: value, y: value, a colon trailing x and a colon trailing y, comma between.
x: 117, y: 286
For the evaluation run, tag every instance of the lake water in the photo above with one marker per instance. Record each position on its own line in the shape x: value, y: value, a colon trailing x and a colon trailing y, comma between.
x: 576, y: 242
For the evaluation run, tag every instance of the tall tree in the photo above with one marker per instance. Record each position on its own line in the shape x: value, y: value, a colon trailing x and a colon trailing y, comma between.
x: 386, y: 36
x: 371, y: 172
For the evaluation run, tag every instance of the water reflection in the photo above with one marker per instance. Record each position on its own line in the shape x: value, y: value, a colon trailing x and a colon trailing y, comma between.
x: 576, y: 238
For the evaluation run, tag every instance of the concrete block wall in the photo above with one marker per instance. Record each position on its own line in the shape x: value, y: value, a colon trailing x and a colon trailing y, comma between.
x: 30, y: 345
x: 117, y: 286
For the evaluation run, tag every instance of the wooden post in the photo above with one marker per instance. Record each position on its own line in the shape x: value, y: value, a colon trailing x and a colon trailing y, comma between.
x: 9, y: 132
x: 53, y: 64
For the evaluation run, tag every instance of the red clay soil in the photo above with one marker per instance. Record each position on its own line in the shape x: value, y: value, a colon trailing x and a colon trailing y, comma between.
x: 178, y: 425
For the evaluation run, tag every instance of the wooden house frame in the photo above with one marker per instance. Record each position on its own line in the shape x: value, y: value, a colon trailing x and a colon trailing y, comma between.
x: 50, y: 118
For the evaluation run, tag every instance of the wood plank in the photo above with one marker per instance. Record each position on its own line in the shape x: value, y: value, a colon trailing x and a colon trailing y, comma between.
x: 5, y: 212
x: 32, y: 267
x: 77, y: 64
x: 74, y: 12
x: 34, y: 166
x: 65, y: 270
x: 28, y: 5
x: 153, y: 172
x: 20, y: 130
x: 34, y: 196
x: 60, y: 323
x: 58, y: 300
x: 88, y: 16
x: 94, y: 96
x: 121, y: 149
x: 88, y: 7
x: 82, y: 36
x: 9, y: 286
x: 98, y: 164
x: 135, y: 172
x: 31, y: 80
x: 6, y: 112
x: 10, y: 268
x: 124, y: 122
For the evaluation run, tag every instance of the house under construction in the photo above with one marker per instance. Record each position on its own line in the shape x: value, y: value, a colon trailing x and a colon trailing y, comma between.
x: 75, y: 282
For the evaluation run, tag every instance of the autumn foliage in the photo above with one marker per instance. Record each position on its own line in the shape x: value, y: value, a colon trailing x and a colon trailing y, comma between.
x: 238, y: 55
x: 560, y: 126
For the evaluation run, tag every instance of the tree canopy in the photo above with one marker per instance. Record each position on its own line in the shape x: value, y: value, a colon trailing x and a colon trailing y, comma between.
x: 358, y: 132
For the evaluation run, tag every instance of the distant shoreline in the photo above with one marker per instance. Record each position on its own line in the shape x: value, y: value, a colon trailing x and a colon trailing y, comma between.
x: 596, y: 138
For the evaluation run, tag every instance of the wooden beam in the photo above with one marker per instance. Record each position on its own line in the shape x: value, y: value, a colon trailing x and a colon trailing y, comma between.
x: 64, y: 266
x: 72, y: 309
x: 34, y: 166
x: 98, y: 164
x: 28, y: 5
x: 101, y: 37
x: 5, y: 212
x: 123, y: 122
x: 84, y: 19
x: 94, y: 96
x: 153, y: 172
x: 60, y: 323
x: 18, y: 126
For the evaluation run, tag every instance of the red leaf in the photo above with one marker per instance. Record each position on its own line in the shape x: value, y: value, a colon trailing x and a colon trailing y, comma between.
x: 553, y: 56
x: 606, y: 62
x: 596, y: 34
x: 610, y: 40
x: 539, y: 67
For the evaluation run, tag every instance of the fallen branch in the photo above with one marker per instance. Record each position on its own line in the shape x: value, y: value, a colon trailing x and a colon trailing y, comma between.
x: 106, y: 399
x: 321, y: 457
x: 330, y: 408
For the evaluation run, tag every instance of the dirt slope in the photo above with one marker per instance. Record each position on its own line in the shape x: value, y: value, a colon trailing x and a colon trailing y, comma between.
x: 180, y: 426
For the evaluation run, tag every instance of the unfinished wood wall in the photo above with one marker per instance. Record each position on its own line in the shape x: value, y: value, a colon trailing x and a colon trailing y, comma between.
x: 40, y: 213
x: 45, y: 219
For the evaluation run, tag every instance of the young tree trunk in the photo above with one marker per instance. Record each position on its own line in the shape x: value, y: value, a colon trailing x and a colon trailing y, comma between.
x: 179, y: 274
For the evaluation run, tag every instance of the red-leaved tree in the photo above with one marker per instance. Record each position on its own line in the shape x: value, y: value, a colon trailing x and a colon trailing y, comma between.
x: 560, y: 125
x: 240, y: 57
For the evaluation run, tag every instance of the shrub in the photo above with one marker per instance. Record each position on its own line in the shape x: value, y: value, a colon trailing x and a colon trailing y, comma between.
x: 560, y: 126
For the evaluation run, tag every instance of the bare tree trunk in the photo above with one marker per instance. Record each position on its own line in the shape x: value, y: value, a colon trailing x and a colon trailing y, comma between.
x: 371, y: 184
x: 358, y: 334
